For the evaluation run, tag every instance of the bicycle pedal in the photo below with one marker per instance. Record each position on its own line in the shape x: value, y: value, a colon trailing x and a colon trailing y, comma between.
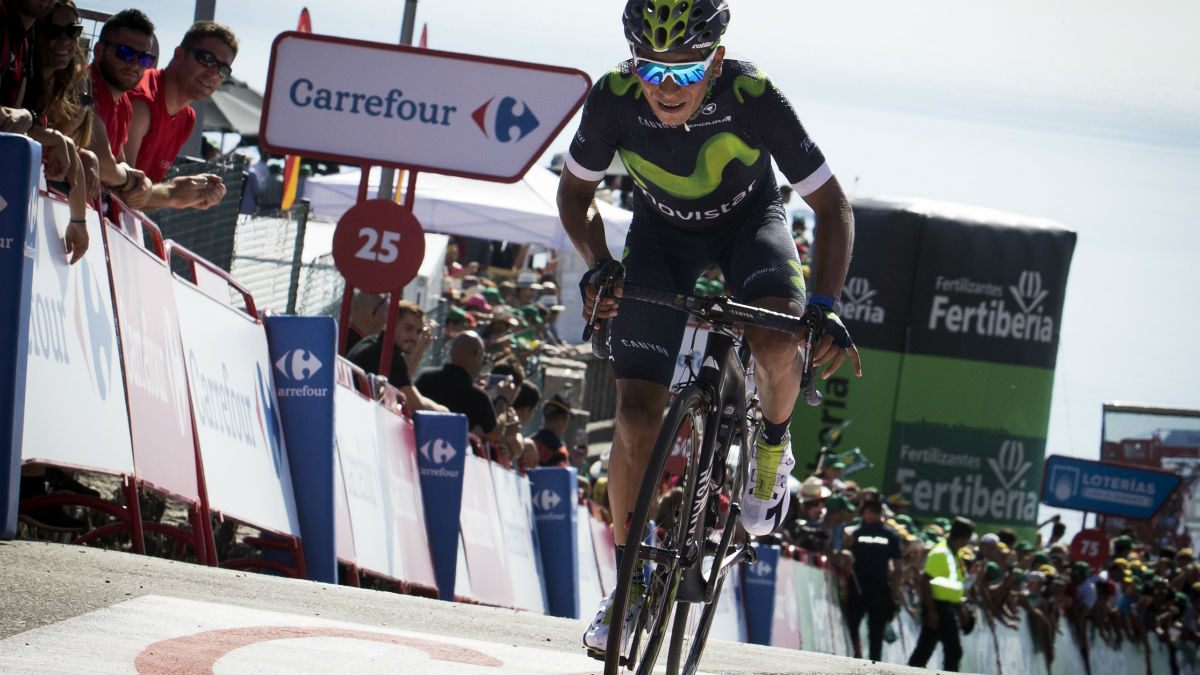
x: 595, y: 654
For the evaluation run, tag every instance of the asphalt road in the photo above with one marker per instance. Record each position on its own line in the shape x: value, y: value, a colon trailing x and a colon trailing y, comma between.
x: 70, y: 607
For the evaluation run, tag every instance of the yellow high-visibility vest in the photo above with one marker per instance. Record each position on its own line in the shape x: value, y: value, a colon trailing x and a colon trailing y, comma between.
x: 946, y: 579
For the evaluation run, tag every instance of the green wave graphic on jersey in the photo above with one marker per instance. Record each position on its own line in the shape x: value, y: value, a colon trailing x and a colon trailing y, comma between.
x: 754, y: 86
x: 797, y: 275
x: 716, y: 154
x: 621, y: 84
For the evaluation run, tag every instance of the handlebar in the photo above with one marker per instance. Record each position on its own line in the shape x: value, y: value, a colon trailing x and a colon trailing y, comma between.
x: 719, y: 312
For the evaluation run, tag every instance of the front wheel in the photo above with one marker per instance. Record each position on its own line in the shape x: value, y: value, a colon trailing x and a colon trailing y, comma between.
x: 693, y: 621
x: 659, y: 531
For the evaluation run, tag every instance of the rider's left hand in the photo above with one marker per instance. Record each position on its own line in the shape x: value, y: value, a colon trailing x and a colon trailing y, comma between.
x: 833, y: 347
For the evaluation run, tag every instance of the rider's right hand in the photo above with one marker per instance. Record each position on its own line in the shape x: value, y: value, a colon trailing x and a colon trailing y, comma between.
x: 589, y: 287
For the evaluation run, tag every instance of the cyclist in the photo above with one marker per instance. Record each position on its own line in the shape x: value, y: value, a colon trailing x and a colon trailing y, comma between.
x: 697, y: 133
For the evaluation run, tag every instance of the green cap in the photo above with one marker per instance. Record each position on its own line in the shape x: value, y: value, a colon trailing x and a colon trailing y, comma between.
x: 701, y: 289
x: 838, y: 503
x: 493, y: 296
x: 531, y: 313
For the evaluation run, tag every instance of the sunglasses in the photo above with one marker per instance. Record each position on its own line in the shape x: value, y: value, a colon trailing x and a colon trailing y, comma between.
x: 684, y: 74
x: 209, y: 60
x: 125, y: 53
x: 84, y: 100
x: 53, y: 31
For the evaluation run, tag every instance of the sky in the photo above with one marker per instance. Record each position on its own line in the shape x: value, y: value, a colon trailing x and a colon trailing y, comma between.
x: 1086, y: 113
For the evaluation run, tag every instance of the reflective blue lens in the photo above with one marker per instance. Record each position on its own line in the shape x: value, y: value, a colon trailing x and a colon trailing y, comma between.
x: 683, y: 73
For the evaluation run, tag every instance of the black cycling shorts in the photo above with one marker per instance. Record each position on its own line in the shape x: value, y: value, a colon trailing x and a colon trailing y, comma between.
x: 758, y: 259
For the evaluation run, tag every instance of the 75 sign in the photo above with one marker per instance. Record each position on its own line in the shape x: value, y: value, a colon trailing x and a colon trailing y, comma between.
x: 378, y: 246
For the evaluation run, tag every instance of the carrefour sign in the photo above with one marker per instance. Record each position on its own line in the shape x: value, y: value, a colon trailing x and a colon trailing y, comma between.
x: 392, y: 105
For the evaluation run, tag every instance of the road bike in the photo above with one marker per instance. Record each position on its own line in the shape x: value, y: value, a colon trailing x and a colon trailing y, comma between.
x: 688, y: 509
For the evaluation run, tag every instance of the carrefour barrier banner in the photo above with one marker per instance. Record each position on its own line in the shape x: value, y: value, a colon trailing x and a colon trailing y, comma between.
x: 362, y: 466
x: 758, y: 587
x: 441, y: 454
x: 514, y: 504
x: 73, y: 360
x: 483, y: 537
x: 401, y: 481
x: 554, y: 508
x: 302, y: 352
x: 240, y: 436
x: 164, y: 446
x: 20, y: 164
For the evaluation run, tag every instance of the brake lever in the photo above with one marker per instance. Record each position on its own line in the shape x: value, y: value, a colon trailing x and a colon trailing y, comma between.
x: 813, y: 321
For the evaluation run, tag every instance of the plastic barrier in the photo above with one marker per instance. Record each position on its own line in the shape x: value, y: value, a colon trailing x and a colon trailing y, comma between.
x: 590, y: 591
x: 361, y: 465
x: 483, y: 537
x: 405, y: 514
x: 302, y: 352
x: 74, y: 366
x: 514, y: 504
x: 759, y: 591
x: 238, y: 429
x: 18, y: 225
x: 606, y: 552
x: 164, y: 445
x: 441, y: 440
x: 555, y: 515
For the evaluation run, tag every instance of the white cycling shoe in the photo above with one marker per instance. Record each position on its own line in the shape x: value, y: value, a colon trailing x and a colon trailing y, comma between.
x: 596, y: 636
x: 767, y: 488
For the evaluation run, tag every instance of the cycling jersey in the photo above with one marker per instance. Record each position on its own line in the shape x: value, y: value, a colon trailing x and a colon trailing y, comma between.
x: 706, y: 195
x: 702, y: 174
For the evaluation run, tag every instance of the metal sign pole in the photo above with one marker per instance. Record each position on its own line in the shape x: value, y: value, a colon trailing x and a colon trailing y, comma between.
x: 387, y: 178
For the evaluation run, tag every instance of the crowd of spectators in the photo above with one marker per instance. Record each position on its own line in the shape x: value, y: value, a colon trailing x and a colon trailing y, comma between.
x: 108, y: 129
x: 1138, y: 592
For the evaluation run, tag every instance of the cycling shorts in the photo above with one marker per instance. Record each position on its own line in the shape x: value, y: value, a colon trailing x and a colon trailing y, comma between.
x: 758, y: 258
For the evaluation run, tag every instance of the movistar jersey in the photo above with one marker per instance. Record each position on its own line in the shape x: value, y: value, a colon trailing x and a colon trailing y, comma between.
x: 704, y: 173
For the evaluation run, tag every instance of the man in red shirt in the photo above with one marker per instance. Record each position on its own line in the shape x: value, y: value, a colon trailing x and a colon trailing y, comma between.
x: 162, y: 118
x: 120, y: 56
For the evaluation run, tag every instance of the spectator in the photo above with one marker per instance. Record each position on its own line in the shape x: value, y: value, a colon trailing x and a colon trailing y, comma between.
x: 552, y: 450
x: 527, y: 289
x: 553, y: 337
x: 453, y: 385
x: 407, y: 334
x: 368, y: 315
x: 119, y: 59
x: 524, y: 405
x: 457, y: 321
x: 873, y: 587
x: 56, y: 100
x: 941, y: 590
x: 162, y: 118
x: 18, y: 113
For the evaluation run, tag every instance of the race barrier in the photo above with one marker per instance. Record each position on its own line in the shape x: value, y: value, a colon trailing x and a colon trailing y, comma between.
x: 176, y: 384
x: 18, y: 227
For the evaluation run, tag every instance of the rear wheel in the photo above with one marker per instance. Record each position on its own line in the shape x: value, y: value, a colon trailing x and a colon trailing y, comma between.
x: 660, y: 522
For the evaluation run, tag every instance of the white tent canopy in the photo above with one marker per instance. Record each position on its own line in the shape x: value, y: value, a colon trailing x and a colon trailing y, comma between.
x: 523, y: 212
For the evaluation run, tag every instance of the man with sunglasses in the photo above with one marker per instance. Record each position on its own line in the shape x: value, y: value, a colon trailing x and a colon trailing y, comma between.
x: 119, y: 57
x: 697, y: 134
x: 163, y: 118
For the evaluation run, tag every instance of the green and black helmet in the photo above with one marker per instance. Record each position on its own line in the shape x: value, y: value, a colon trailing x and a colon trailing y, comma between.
x: 675, y: 25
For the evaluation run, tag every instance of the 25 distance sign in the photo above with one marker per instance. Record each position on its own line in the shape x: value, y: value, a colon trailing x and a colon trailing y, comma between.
x: 378, y: 246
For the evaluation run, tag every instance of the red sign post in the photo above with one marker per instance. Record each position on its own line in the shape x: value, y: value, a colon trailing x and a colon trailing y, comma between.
x: 1090, y: 546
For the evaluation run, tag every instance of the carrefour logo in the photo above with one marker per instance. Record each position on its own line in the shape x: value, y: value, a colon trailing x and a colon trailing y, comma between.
x: 547, y: 500
x: 299, y: 365
x: 438, y: 451
x: 498, y: 118
x: 858, y: 302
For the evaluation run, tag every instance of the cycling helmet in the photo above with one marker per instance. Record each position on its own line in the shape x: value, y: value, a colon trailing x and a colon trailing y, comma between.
x: 675, y: 25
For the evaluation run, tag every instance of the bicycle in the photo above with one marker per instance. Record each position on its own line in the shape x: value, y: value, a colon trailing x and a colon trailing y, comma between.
x: 688, y: 507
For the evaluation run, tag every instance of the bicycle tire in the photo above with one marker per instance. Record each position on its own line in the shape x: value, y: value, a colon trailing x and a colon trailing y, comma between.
x: 696, y: 634
x: 687, y: 417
